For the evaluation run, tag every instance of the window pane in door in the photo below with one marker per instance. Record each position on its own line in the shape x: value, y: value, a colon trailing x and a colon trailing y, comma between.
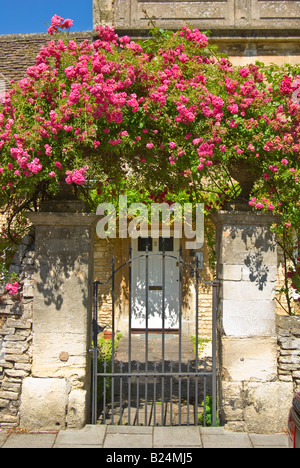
x: 142, y: 244
x: 168, y: 244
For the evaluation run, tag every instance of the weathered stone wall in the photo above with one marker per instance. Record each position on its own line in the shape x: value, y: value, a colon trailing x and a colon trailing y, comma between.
x: 203, y: 14
x: 16, y: 335
x: 244, y: 30
x: 288, y: 333
x: 57, y: 393
x: 18, y: 52
x: 281, y: 300
x: 252, y: 397
x: 104, y: 250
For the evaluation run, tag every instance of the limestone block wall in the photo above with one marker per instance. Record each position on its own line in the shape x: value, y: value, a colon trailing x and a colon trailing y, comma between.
x: 202, y: 14
x: 104, y: 250
x: 57, y: 394
x: 16, y: 336
x: 253, y: 397
x: 18, y: 52
x: 281, y: 300
x: 288, y: 332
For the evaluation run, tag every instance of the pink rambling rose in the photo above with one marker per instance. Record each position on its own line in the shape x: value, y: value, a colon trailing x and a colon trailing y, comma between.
x: 76, y: 177
x: 48, y: 150
x: 12, y: 288
x: 233, y: 109
x: 67, y: 24
x: 124, y: 40
x: 244, y: 72
x: 59, y: 23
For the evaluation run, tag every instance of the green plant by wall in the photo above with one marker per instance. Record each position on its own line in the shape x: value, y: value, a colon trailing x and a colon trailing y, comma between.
x: 104, y: 363
x: 208, y: 414
x: 202, y: 342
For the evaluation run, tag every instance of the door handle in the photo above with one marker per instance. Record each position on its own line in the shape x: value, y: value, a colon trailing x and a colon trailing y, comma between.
x: 155, y: 288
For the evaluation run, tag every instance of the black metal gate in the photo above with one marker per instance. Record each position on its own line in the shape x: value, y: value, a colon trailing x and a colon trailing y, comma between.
x: 171, y: 387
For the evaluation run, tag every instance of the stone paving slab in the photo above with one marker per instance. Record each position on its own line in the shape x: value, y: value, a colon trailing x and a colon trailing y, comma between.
x: 176, y: 437
x: 3, y: 437
x: 30, y: 441
x: 145, y: 430
x: 128, y: 441
x: 89, y: 436
x: 140, y: 437
x: 225, y: 440
x: 269, y: 441
x: 129, y: 437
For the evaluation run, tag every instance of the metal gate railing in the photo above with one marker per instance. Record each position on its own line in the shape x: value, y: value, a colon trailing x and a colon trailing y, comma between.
x: 164, y: 390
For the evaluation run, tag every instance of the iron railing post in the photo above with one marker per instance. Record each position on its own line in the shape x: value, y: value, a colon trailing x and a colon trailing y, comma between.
x: 113, y: 339
x: 214, y: 353
x: 95, y: 353
x: 129, y: 333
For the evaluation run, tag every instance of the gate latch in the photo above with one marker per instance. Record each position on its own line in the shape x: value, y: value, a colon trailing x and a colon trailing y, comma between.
x: 98, y: 329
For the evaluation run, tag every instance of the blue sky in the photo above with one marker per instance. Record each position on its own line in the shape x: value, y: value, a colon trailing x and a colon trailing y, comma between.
x: 34, y: 16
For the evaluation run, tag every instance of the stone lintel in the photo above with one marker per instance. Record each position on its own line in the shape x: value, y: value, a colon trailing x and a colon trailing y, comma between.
x: 62, y: 219
x: 243, y: 218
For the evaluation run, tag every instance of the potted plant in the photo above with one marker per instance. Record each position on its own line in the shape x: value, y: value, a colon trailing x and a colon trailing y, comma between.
x: 107, y: 334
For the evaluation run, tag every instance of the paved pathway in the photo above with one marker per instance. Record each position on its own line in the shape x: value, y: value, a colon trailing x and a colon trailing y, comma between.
x: 138, y: 345
x: 133, y: 437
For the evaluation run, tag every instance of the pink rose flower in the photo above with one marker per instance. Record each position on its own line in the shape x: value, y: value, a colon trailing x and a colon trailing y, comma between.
x: 12, y: 288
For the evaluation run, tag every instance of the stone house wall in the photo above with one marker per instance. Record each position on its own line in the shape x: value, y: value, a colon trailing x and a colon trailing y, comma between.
x: 246, y: 31
x: 281, y: 301
x: 288, y: 332
x: 18, y: 52
x: 16, y: 335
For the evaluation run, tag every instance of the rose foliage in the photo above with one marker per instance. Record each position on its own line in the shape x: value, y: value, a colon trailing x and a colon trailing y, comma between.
x: 163, y: 118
